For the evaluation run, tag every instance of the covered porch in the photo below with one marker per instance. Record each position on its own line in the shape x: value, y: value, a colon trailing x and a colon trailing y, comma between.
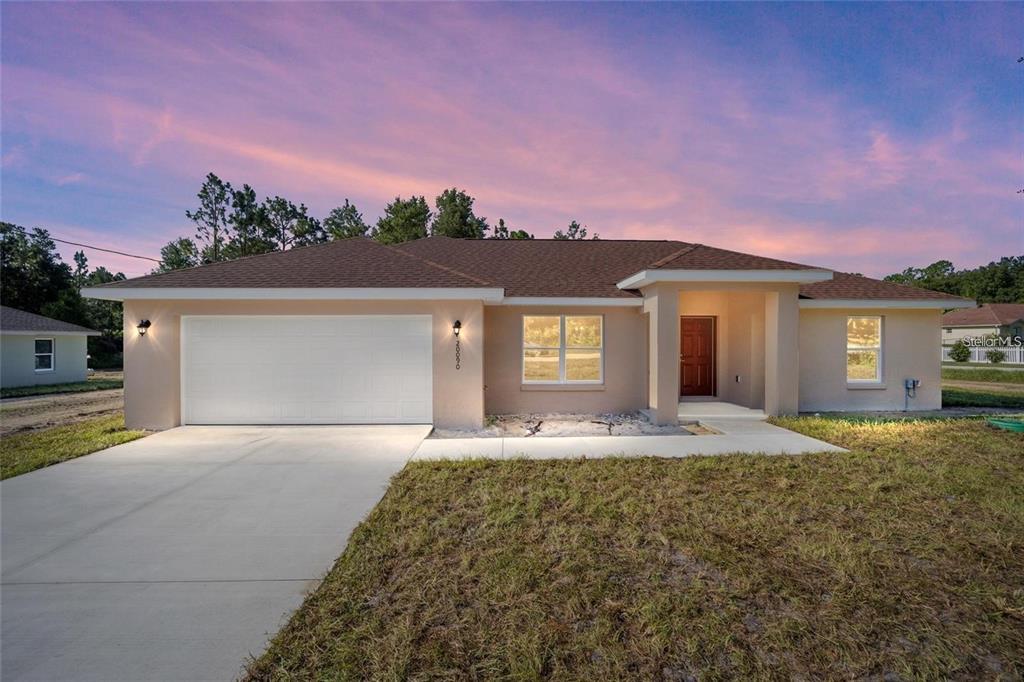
x: 722, y: 350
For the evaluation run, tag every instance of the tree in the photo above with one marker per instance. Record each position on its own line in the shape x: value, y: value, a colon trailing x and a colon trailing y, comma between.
x: 403, y: 221
x: 455, y: 216
x: 178, y: 254
x: 211, y: 218
x: 1000, y: 281
x: 501, y: 231
x: 81, y: 269
x: 290, y: 225
x: 344, y: 222
x: 248, y: 219
x: 31, y: 271
x: 574, y: 231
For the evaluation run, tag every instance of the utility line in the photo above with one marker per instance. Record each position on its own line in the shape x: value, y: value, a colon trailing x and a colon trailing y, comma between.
x: 97, y: 248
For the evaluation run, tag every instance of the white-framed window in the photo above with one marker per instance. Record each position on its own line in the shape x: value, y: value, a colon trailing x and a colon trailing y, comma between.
x: 864, y: 349
x: 44, y: 355
x: 563, y: 349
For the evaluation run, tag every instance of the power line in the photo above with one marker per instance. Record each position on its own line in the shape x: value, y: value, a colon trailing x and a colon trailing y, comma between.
x: 97, y: 248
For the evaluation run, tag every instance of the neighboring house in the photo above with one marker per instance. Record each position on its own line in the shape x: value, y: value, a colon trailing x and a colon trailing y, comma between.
x: 444, y: 331
x: 1003, y: 319
x: 40, y: 350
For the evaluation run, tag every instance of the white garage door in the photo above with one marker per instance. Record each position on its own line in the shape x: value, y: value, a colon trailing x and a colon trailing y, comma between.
x: 372, y: 369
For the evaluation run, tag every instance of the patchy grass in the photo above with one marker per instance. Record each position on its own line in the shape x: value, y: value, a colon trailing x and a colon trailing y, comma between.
x: 902, y: 557
x: 998, y: 376
x: 25, y: 452
x: 977, y: 397
x: 98, y: 384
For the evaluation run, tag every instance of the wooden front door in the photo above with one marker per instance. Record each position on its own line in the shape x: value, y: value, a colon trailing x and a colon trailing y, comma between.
x: 697, y: 356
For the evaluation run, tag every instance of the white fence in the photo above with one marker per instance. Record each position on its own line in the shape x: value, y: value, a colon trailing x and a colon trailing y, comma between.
x: 1014, y: 354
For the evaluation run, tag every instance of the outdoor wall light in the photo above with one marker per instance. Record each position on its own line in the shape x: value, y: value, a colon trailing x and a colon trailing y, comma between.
x: 456, y: 328
x: 143, y: 326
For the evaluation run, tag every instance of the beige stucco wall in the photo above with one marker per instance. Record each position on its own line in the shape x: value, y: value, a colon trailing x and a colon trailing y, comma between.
x: 625, y: 364
x: 152, y: 364
x: 909, y: 350
x: 18, y: 360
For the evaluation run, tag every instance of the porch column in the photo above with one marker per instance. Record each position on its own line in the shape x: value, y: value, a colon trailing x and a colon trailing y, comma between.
x: 781, y: 354
x: 661, y: 304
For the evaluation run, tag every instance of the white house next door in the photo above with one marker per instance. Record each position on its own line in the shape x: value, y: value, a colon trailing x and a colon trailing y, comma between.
x: 341, y: 369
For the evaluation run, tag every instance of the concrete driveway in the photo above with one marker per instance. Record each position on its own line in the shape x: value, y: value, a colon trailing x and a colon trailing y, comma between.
x: 176, y: 556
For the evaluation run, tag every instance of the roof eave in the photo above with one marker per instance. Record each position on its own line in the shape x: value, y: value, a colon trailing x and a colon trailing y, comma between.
x: 647, y: 277
x: 49, y: 332
x: 907, y: 303
x: 486, y: 294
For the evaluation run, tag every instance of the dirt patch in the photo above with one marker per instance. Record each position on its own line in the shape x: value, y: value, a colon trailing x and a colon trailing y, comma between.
x: 560, y: 425
x: 990, y: 386
x: 43, y: 412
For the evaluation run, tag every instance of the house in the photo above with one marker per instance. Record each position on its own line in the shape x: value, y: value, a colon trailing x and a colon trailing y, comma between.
x: 1002, y: 319
x: 40, y: 350
x: 444, y: 331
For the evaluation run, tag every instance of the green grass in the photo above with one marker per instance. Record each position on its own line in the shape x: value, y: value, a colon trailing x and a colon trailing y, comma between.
x: 76, y: 387
x: 901, y: 557
x: 963, y: 397
x: 24, y: 452
x: 990, y: 375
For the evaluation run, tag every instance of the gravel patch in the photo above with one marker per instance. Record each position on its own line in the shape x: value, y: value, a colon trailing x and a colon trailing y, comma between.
x: 560, y: 425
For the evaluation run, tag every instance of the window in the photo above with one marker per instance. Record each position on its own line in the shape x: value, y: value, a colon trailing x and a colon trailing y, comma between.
x: 864, y: 349
x: 563, y: 349
x: 44, y: 355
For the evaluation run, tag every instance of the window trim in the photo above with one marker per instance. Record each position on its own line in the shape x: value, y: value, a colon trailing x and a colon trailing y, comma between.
x: 562, y: 348
x: 52, y: 354
x: 879, y: 379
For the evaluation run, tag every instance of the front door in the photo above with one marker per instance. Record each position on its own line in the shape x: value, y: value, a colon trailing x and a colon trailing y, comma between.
x: 697, y: 356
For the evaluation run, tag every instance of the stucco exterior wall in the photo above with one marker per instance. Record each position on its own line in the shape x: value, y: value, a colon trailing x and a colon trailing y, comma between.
x: 910, y: 340
x: 625, y: 364
x: 152, y: 363
x: 17, y: 360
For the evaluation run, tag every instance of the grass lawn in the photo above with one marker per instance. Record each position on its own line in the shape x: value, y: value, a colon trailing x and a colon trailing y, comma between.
x: 25, y: 452
x: 901, y: 557
x: 97, y: 384
x: 976, y: 397
x: 999, y: 376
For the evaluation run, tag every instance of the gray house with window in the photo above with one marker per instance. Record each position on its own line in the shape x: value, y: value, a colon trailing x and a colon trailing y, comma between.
x: 40, y: 350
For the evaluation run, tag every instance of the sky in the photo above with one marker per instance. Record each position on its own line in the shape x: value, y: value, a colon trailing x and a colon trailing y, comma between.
x: 861, y: 137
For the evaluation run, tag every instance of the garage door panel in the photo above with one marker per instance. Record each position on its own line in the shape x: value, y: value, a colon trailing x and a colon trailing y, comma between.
x: 284, y: 369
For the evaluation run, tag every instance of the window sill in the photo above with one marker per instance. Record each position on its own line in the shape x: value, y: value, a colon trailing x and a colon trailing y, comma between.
x: 43, y: 371
x: 561, y: 387
x: 867, y: 386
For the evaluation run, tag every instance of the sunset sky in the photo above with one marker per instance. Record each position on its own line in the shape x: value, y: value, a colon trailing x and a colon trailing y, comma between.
x: 861, y: 137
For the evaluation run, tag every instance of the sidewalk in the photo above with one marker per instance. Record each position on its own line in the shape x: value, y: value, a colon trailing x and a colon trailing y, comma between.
x: 736, y: 436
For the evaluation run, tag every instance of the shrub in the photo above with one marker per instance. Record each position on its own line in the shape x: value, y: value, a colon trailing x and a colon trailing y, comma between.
x: 995, y: 356
x: 960, y: 352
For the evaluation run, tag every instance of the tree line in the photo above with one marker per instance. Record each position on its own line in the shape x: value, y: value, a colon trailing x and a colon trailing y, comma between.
x: 230, y: 223
x: 35, y: 279
x: 1000, y: 281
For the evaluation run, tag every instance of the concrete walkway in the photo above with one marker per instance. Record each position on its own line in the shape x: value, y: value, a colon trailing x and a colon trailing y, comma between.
x: 174, y: 557
x: 736, y: 436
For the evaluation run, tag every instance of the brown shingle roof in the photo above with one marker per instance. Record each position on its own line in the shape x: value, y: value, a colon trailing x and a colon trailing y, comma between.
x: 356, y: 262
x: 14, y: 320
x: 523, y: 268
x: 989, y: 314
x: 844, y: 285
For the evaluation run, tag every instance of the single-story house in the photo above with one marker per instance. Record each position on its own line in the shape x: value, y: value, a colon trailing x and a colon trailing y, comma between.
x: 1001, y: 319
x: 40, y: 350
x: 444, y: 331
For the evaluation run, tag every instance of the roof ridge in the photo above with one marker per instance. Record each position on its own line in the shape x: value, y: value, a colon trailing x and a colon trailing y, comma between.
x: 464, y: 275
x: 675, y: 254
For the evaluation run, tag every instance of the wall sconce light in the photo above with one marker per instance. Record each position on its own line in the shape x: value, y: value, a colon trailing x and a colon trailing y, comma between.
x: 456, y: 328
x: 143, y: 326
